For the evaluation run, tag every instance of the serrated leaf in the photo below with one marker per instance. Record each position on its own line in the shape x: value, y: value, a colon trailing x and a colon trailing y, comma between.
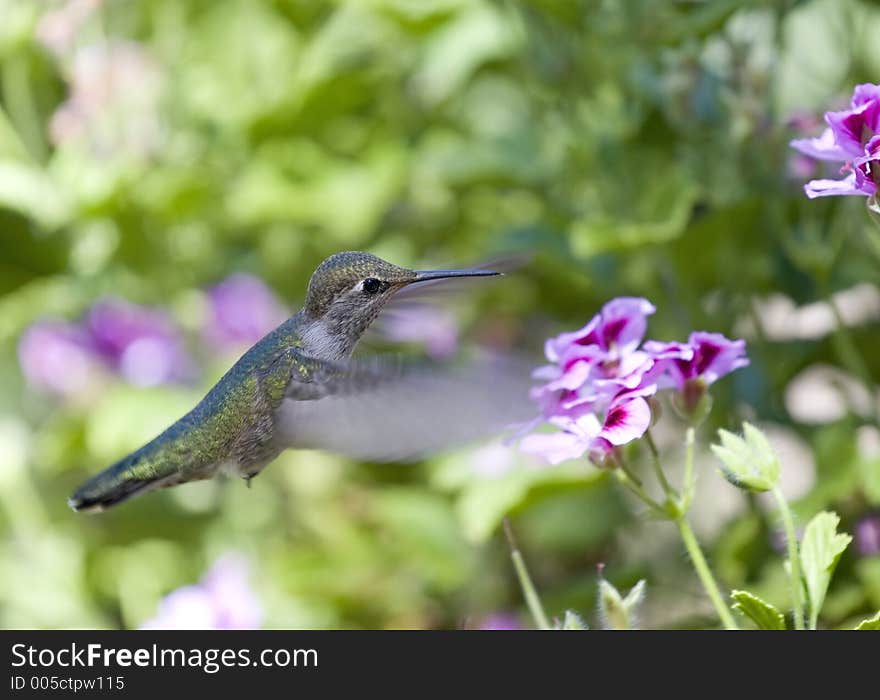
x: 747, y: 462
x: 762, y: 613
x: 872, y: 623
x: 820, y: 551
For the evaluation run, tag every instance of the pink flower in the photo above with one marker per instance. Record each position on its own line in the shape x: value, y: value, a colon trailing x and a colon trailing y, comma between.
x: 852, y: 136
x: 596, y: 362
x: 223, y: 600
x: 58, y: 357
x: 867, y: 535
x: 141, y: 343
x: 500, y: 621
x: 627, y: 418
x: 711, y: 357
x: 598, y: 379
x: 113, y: 106
x: 58, y: 29
x: 243, y: 310
x: 433, y: 328
x: 618, y: 327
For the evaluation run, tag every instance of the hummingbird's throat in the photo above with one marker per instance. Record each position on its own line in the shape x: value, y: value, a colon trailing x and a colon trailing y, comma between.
x: 326, y: 342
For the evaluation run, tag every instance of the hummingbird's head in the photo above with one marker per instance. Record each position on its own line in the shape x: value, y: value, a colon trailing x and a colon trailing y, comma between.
x: 348, y: 290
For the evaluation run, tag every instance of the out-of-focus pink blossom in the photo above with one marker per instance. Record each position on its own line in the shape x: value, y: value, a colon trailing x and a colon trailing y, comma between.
x: 57, y: 29
x: 867, y: 535
x: 801, y: 167
x: 223, y: 600
x: 141, y: 343
x: 58, y: 357
x: 242, y: 310
x: 433, y: 328
x: 501, y: 621
x: 113, y: 104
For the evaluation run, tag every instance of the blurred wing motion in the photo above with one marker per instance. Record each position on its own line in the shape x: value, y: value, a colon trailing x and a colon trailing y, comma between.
x: 388, y: 410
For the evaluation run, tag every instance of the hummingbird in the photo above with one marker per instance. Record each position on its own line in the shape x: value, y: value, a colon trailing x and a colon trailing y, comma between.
x: 299, y: 387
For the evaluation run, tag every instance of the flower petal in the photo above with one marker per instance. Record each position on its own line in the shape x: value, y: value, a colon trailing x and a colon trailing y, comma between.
x: 849, y: 125
x: 868, y: 94
x: 555, y: 447
x: 624, y: 321
x: 626, y: 421
x: 715, y: 355
x: 829, y: 188
x: 822, y: 147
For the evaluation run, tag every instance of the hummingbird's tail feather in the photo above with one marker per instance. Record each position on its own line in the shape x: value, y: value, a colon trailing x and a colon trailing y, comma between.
x: 129, y: 477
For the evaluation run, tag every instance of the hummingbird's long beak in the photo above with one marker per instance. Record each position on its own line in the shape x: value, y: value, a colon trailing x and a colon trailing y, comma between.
x: 426, y: 275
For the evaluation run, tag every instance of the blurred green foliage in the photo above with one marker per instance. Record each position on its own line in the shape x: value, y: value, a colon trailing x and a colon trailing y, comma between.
x: 637, y: 147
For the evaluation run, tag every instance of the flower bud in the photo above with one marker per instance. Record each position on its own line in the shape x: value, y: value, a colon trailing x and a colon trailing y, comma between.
x: 616, y: 612
x: 747, y: 462
x: 572, y: 621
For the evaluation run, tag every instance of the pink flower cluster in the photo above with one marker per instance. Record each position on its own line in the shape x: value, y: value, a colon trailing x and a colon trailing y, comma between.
x: 599, y: 378
x: 852, y: 136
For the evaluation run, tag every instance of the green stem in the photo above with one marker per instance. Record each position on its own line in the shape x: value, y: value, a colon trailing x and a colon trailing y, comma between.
x: 658, y: 468
x: 689, y: 480
x: 794, y: 559
x: 525, y: 581
x: 703, y: 571
x: 873, y: 232
x: 677, y: 515
x: 624, y: 478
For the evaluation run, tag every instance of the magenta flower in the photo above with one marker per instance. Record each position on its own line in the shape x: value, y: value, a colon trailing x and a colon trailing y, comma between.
x: 711, y: 357
x: 619, y: 327
x: 500, y: 621
x: 867, y: 535
x: 223, y: 600
x: 627, y: 418
x: 141, y: 343
x: 242, y: 310
x: 58, y: 357
x: 852, y: 136
x: 598, y: 379
x: 591, y: 365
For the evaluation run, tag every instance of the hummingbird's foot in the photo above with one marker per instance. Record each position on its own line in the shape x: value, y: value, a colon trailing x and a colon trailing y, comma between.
x: 247, y: 479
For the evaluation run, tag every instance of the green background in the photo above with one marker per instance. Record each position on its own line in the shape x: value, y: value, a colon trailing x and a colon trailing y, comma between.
x: 634, y: 147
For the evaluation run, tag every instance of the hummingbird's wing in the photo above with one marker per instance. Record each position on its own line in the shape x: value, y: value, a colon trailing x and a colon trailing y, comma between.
x: 386, y: 409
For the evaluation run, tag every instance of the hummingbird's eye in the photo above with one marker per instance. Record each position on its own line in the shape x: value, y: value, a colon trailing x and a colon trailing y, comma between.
x: 372, y: 285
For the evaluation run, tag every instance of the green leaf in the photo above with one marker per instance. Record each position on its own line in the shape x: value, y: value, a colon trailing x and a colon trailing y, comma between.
x: 660, y: 214
x: 762, y: 613
x: 820, y: 551
x: 30, y: 191
x: 747, y: 462
x: 871, y: 623
x: 869, y: 474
